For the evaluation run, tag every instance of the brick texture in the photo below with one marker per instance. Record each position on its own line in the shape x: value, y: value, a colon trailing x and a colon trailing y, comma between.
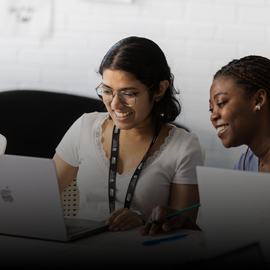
x: 198, y: 37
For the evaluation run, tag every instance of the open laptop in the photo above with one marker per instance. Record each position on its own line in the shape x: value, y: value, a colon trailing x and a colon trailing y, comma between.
x: 235, y: 207
x: 30, y: 202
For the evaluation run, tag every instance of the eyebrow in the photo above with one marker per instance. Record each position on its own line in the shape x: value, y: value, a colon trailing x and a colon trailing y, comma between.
x: 218, y: 94
x: 122, y: 89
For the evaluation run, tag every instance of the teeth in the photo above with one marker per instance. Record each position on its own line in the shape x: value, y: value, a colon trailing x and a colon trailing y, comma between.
x: 123, y: 114
x: 221, y: 128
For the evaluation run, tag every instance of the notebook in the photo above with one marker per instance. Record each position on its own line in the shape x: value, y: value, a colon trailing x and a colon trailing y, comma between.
x: 30, y: 202
x: 235, y: 207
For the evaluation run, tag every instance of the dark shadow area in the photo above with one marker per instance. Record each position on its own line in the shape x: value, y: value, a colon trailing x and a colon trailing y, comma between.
x: 34, y: 122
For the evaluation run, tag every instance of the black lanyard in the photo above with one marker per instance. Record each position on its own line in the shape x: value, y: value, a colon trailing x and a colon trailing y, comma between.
x: 113, y: 167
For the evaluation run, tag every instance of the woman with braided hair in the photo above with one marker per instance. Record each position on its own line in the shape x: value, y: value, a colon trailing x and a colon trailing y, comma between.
x: 240, y: 110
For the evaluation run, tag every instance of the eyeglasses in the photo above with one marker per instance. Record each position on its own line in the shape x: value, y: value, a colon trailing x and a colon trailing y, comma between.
x: 126, y: 98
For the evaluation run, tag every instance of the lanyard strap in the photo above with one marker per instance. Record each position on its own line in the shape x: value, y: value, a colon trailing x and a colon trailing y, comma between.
x: 113, y: 168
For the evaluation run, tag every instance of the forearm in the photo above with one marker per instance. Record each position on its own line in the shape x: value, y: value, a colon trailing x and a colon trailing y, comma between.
x: 65, y: 172
x: 183, y: 196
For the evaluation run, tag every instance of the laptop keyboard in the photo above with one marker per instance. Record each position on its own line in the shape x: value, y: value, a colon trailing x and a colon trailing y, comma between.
x: 71, y: 229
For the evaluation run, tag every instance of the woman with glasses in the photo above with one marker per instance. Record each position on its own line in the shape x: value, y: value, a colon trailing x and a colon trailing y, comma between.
x: 130, y: 159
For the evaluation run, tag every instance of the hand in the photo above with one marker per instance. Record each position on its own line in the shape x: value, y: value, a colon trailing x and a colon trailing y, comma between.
x: 123, y: 219
x: 158, y: 214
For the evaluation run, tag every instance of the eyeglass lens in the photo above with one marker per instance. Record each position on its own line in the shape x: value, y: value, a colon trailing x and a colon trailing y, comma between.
x: 107, y: 96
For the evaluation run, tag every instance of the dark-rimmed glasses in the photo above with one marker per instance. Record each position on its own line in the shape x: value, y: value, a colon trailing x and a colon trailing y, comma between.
x: 126, y: 98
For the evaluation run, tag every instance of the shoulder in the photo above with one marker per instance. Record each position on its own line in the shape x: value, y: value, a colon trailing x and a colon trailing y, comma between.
x: 185, y: 147
x: 93, y: 116
x: 251, y: 162
x: 184, y: 138
x: 187, y: 153
x: 92, y: 119
x: 86, y: 122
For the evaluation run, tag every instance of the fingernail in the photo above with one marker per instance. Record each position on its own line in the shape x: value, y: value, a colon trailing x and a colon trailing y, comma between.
x: 166, y: 227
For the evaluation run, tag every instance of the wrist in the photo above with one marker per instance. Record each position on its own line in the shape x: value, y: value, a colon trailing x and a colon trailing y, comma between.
x: 142, y: 215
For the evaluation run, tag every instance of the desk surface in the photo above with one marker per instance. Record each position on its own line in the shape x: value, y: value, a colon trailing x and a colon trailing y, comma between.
x: 104, y: 249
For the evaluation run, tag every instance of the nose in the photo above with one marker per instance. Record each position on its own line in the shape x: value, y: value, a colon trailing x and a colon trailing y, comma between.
x: 214, y: 116
x: 116, y: 103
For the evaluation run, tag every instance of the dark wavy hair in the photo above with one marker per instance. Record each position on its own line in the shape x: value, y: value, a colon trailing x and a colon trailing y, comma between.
x: 146, y: 61
x: 251, y: 72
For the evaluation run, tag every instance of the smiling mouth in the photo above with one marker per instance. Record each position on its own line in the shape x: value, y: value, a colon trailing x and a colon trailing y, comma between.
x: 221, y: 128
x: 122, y: 114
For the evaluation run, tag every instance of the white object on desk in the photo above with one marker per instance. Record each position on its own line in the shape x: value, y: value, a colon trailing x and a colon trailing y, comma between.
x: 235, y: 210
x: 3, y: 144
x: 30, y: 203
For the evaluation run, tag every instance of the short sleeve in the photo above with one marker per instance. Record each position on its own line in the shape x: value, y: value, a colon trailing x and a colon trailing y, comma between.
x: 190, y: 156
x: 69, y: 145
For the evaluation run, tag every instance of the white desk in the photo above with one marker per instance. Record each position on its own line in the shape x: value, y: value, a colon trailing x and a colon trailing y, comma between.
x: 104, y: 249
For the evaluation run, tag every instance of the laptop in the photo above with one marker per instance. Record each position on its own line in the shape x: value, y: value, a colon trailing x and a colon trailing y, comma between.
x: 235, y: 208
x: 30, y: 202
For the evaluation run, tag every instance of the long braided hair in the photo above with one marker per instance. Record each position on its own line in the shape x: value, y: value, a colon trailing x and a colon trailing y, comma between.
x: 251, y: 72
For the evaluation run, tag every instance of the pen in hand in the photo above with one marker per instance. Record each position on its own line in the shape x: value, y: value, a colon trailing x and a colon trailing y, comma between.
x: 179, y: 212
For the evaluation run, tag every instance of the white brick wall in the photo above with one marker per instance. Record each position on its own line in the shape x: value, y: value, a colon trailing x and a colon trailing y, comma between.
x: 197, y: 36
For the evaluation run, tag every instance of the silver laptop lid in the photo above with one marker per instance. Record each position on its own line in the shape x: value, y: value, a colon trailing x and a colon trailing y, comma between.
x: 30, y: 202
x: 235, y: 208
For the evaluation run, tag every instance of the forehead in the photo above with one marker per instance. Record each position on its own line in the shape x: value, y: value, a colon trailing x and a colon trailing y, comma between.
x: 225, y: 86
x: 117, y: 76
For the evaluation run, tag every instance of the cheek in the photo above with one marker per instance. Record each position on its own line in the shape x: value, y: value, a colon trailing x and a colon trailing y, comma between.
x: 229, y: 113
x: 107, y: 105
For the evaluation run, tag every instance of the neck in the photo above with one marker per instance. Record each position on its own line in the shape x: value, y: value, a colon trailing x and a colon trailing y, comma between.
x: 259, y: 141
x: 261, y: 146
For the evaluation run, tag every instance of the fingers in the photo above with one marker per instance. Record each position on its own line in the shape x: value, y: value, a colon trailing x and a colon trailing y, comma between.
x: 151, y: 228
x: 128, y: 225
x: 145, y: 230
x: 158, y: 214
x: 123, y: 219
x: 114, y: 215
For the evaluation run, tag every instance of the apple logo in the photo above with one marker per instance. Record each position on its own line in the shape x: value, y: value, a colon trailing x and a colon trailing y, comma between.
x: 6, y: 195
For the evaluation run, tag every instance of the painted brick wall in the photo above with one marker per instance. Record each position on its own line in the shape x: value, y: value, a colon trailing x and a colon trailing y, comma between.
x: 197, y: 36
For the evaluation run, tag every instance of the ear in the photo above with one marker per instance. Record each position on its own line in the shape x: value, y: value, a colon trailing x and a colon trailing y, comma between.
x: 260, y: 98
x: 163, y: 86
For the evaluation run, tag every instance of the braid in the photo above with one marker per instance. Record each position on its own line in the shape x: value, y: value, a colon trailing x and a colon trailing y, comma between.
x: 253, y: 72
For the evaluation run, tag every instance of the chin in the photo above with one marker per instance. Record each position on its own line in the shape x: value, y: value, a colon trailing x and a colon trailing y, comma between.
x: 122, y: 126
x: 227, y: 144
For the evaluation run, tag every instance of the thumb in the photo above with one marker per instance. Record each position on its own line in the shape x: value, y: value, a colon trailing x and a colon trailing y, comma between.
x: 166, y: 226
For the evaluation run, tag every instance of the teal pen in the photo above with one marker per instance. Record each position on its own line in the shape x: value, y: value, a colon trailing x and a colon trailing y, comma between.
x: 157, y: 241
x: 181, y: 211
